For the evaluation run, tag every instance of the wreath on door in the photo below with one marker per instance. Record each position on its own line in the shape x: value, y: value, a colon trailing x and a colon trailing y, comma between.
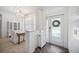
x: 56, y: 23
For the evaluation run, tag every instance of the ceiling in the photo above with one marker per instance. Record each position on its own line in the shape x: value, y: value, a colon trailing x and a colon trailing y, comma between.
x: 26, y: 9
x: 14, y: 9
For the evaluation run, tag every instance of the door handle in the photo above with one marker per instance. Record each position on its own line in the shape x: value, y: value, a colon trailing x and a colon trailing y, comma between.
x: 49, y: 27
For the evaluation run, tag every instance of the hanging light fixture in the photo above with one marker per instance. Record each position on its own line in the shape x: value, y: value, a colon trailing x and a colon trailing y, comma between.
x: 22, y: 12
x: 19, y: 14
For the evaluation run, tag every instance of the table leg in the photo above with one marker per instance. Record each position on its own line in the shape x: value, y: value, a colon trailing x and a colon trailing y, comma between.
x: 18, y: 39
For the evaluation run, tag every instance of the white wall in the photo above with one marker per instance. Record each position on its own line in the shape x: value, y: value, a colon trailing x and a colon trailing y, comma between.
x: 31, y: 32
x: 30, y: 22
x: 41, y: 27
x: 73, y: 42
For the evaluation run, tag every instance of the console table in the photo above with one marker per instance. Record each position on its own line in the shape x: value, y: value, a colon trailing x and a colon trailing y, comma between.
x: 19, y: 34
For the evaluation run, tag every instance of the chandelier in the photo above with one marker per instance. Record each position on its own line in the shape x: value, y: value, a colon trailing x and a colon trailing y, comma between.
x: 22, y: 12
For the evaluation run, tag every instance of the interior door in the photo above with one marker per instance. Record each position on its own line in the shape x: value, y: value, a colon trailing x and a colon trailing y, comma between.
x: 56, y: 30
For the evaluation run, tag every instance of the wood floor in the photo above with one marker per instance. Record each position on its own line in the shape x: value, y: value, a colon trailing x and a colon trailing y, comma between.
x: 51, y: 48
x: 7, y: 47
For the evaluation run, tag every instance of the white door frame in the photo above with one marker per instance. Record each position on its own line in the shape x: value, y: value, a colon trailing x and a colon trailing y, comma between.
x: 62, y: 31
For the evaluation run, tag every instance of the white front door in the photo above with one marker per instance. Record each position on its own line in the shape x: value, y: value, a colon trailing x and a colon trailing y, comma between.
x: 56, y: 30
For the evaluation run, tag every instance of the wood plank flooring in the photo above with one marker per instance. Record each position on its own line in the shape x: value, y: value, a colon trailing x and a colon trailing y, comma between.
x: 8, y: 47
x: 51, y: 48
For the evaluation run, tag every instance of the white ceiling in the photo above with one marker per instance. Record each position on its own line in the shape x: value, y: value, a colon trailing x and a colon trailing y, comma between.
x: 25, y: 9
x: 15, y: 9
